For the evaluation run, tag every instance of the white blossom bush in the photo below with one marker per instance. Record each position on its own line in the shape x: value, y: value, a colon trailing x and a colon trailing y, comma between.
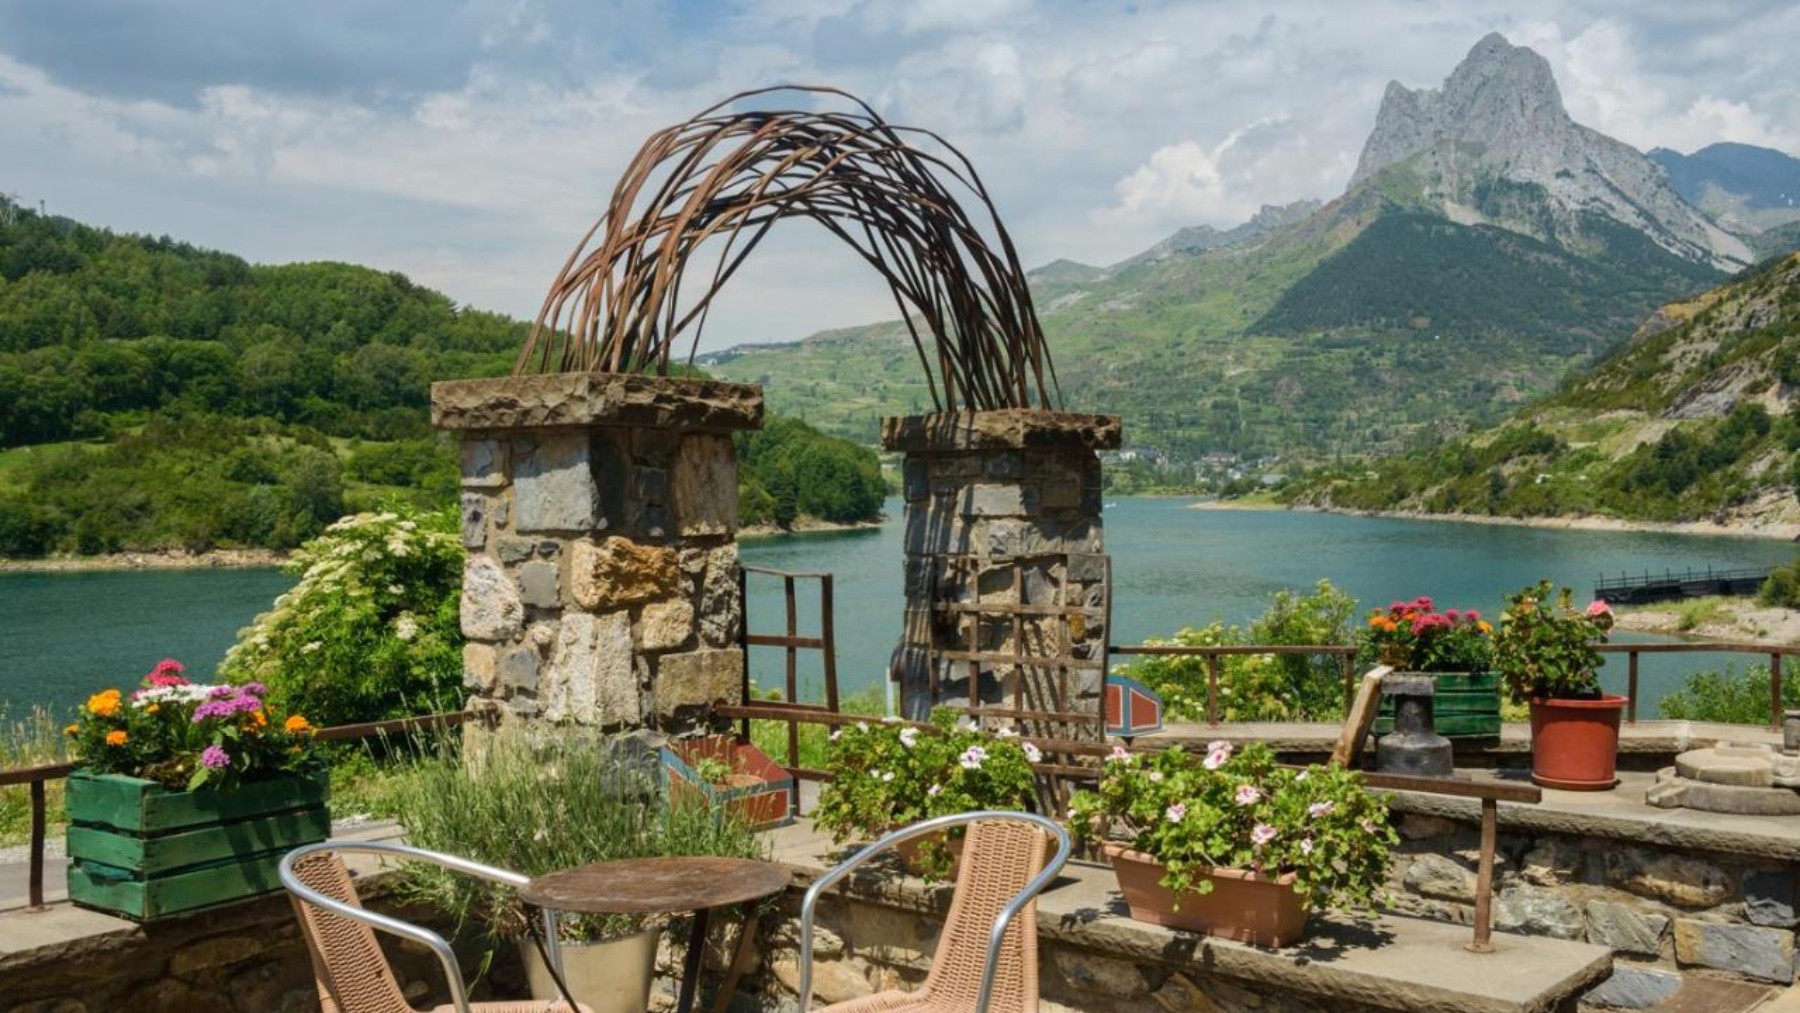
x: 371, y: 629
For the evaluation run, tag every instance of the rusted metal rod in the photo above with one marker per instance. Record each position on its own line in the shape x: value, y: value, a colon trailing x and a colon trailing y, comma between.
x: 1484, y: 878
x: 1212, y: 690
x: 35, y: 881
x: 1775, y: 700
x: 1631, y: 688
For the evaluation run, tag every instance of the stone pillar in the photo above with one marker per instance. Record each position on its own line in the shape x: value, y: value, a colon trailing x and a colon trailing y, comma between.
x: 600, y: 516
x: 1002, y: 509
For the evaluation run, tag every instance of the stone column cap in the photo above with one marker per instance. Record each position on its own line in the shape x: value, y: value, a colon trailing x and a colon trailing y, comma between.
x: 1004, y: 429
x: 562, y: 400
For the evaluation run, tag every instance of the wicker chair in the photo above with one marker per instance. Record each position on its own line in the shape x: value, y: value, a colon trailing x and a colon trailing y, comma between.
x: 349, y: 968
x: 986, y: 961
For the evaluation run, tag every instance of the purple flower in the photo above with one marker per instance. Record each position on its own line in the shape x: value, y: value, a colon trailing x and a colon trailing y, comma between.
x: 215, y: 758
x: 1261, y: 834
x: 1247, y: 794
x: 1176, y: 813
x: 1216, y: 759
x: 972, y: 757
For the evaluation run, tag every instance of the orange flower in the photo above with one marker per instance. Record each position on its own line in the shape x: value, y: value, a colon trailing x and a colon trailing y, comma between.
x: 72, y: 729
x: 1485, y: 627
x: 153, y: 708
x: 104, y: 704
x: 260, y: 719
x: 116, y: 737
x: 297, y: 724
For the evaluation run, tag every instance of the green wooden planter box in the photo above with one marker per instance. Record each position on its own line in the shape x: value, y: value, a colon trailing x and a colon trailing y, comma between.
x: 1467, y: 705
x: 143, y: 852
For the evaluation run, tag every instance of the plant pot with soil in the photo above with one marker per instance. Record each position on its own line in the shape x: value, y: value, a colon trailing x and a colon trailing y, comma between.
x: 1230, y: 844
x: 1545, y: 651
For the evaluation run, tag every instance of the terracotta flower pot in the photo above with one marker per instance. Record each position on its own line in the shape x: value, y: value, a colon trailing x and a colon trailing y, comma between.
x: 1242, y: 905
x: 1575, y: 743
x: 912, y: 854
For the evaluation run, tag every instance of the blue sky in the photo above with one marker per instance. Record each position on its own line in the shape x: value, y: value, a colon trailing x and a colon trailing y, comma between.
x: 469, y: 143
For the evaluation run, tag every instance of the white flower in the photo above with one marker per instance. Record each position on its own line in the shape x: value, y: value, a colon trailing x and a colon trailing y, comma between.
x: 886, y: 776
x: 1306, y: 846
x: 862, y: 726
x: 836, y: 733
x: 1119, y: 754
x: 1155, y: 776
x: 934, y: 790
x: 1216, y: 759
x: 406, y: 627
x: 1261, y: 834
x: 1247, y: 794
x: 1318, y: 809
x: 310, y: 647
x: 972, y: 757
x: 1176, y: 813
x: 1301, y: 776
x: 909, y: 737
x: 1032, y: 753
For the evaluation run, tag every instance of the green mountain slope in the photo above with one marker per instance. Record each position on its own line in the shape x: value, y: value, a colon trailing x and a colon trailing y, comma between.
x: 1345, y: 333
x: 1694, y: 418
x: 155, y: 395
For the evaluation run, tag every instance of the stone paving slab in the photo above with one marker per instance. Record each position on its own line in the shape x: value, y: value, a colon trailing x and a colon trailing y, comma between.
x: 1621, y: 814
x: 1392, y: 963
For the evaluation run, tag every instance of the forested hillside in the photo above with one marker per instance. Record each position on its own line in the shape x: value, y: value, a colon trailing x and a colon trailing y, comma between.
x: 158, y: 395
x: 1692, y: 419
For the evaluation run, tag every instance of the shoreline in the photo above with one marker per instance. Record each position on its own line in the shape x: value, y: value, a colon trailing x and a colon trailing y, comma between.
x: 170, y: 559
x: 1786, y: 532
x: 1723, y: 620
x: 267, y: 559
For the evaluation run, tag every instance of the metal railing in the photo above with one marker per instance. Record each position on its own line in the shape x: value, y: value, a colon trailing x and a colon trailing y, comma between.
x: 37, y: 777
x: 1632, y: 652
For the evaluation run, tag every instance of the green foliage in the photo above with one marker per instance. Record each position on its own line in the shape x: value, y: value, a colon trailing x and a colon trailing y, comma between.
x: 371, y: 630
x: 813, y: 740
x: 179, y: 482
x: 788, y: 469
x: 890, y: 774
x: 1238, y: 809
x: 1545, y: 647
x: 540, y: 799
x: 1782, y: 589
x: 1259, y: 687
x: 1727, y: 697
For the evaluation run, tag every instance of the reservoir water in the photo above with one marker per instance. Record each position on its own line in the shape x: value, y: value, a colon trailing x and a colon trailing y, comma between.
x: 65, y: 635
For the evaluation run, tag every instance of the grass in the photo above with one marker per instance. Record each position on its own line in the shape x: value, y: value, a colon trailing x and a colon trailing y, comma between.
x: 815, y: 740
x: 1697, y: 612
x: 28, y: 741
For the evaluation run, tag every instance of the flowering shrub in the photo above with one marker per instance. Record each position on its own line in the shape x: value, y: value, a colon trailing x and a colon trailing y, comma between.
x: 1259, y: 687
x: 371, y: 630
x: 1545, y: 649
x: 1236, y: 809
x: 182, y: 734
x: 889, y: 774
x: 1413, y: 636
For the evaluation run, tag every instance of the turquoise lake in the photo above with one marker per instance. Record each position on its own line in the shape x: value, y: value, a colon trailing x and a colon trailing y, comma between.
x: 64, y: 635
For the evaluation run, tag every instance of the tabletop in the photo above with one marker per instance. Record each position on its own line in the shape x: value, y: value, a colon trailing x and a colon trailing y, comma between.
x: 656, y: 885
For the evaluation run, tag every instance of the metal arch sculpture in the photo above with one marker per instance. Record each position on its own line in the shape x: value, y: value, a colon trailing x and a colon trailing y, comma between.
x: 616, y: 305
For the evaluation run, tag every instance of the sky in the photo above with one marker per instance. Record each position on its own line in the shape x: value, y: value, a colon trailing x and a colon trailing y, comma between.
x: 471, y: 143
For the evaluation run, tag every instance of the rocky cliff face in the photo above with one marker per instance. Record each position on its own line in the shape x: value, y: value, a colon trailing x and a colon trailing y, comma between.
x: 1495, y: 146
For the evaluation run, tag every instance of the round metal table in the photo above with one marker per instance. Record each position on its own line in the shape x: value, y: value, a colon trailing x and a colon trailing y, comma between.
x: 662, y: 886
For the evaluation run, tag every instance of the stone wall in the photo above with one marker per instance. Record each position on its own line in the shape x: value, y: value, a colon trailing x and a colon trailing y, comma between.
x: 242, y: 958
x: 1665, y: 911
x: 1003, y: 511
x: 600, y: 516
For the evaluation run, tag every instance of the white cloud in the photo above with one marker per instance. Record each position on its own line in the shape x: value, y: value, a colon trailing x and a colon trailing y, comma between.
x: 1098, y: 128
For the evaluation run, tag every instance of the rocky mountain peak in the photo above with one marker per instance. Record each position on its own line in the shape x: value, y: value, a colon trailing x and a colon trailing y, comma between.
x: 1495, y: 146
x: 1501, y: 96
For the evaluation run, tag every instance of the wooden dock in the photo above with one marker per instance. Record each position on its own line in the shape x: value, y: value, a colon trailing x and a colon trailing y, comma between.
x: 1671, y: 586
